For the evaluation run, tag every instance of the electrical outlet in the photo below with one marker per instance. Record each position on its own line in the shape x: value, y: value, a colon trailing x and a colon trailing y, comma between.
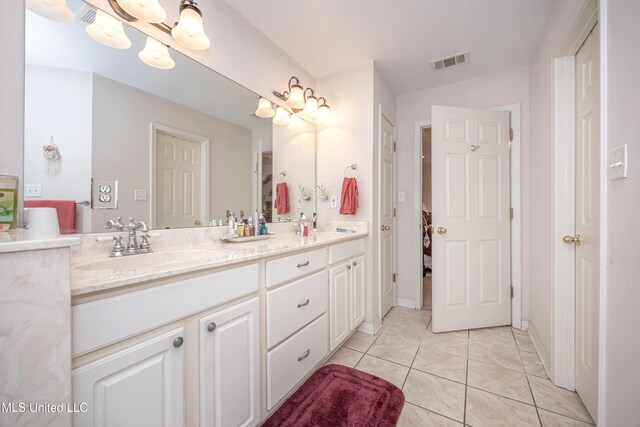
x: 105, y: 189
x: 401, y: 197
x: 33, y: 190
x: 104, y: 198
x: 104, y: 194
x: 334, y: 201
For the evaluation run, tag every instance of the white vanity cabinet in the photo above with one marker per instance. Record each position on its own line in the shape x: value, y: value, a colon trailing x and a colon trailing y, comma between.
x: 230, y: 366
x: 346, y: 290
x: 142, y: 385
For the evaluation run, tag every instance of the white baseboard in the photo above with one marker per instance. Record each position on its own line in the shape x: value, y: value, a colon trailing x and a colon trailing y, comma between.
x: 370, y: 328
x: 542, y: 353
x: 406, y: 302
x: 524, y: 325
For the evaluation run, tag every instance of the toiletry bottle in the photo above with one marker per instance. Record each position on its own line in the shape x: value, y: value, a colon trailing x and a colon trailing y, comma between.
x: 247, y: 227
x: 315, y: 221
x: 256, y: 222
x: 263, y: 226
x: 232, y: 225
x: 305, y: 229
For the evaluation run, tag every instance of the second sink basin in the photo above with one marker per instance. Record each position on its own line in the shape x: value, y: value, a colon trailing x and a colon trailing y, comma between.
x: 148, y: 260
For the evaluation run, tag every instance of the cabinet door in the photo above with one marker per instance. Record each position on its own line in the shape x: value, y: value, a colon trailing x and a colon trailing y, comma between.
x: 340, y: 300
x: 357, y: 291
x: 230, y: 366
x: 140, y: 386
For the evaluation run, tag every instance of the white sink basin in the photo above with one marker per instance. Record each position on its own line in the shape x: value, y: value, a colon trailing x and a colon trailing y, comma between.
x: 149, y: 260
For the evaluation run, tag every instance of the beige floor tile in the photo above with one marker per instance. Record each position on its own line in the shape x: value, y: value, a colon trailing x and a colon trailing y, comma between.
x: 549, y: 419
x: 533, y: 365
x: 499, y: 380
x: 394, y: 348
x: 446, y: 342
x: 384, y: 369
x: 498, y: 336
x: 345, y: 356
x: 441, y: 364
x: 525, y: 344
x: 414, y: 416
x: 487, y: 409
x: 435, y: 394
x: 360, y: 341
x: 405, y: 332
x: 558, y: 400
x: 495, y: 355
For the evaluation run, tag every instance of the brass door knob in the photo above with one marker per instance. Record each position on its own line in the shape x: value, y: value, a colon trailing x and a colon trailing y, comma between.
x: 570, y: 240
x: 441, y: 230
x: 197, y: 222
x: 385, y: 228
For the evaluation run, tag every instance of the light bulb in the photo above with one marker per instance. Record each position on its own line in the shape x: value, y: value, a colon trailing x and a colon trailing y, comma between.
x: 324, y: 113
x: 156, y: 54
x: 265, y: 109
x: 294, y: 122
x: 190, y: 31
x: 311, y: 107
x: 144, y: 10
x: 108, y: 31
x: 296, y: 97
x: 282, y: 117
x: 56, y: 10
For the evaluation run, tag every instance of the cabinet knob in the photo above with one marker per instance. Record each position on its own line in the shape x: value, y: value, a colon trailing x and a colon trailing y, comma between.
x: 178, y: 342
x: 304, y: 303
x: 304, y: 264
x: 304, y: 355
x: 355, y: 263
x: 348, y: 266
x: 211, y: 327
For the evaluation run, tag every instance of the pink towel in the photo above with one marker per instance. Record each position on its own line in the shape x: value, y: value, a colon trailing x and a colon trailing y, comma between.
x: 66, y: 210
x: 282, y: 199
x: 349, y: 199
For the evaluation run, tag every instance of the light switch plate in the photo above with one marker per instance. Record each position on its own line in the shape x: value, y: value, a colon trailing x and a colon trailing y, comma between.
x: 401, y: 197
x: 104, y: 193
x: 618, y: 162
x: 33, y: 190
x: 334, y: 201
x: 139, y: 194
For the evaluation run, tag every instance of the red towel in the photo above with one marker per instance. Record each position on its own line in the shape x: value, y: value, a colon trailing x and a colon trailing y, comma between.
x: 349, y: 199
x: 66, y: 210
x: 282, y: 199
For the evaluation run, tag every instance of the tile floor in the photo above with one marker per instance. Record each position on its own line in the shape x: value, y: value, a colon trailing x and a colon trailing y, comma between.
x: 485, y: 377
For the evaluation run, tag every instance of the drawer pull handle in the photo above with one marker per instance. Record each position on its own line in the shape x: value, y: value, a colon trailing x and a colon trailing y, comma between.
x: 178, y: 342
x: 304, y: 355
x: 304, y: 303
x: 211, y: 327
x: 304, y: 264
x: 348, y: 266
x: 355, y: 263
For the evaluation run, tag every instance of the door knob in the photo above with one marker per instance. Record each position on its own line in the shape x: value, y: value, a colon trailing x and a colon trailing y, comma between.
x: 441, y: 230
x: 570, y: 239
x: 385, y: 228
x: 197, y: 222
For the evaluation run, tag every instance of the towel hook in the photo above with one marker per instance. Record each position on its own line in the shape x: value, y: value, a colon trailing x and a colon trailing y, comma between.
x: 282, y: 176
x: 353, y: 167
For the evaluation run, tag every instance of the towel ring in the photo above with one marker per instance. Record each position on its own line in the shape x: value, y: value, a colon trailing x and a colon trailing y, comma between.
x: 282, y: 177
x: 353, y: 167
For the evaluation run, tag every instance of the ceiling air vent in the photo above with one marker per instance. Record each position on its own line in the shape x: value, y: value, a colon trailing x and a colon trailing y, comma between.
x: 450, y: 61
x: 86, y: 14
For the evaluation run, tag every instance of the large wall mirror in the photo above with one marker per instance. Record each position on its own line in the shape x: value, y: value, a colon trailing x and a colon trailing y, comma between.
x: 179, y: 146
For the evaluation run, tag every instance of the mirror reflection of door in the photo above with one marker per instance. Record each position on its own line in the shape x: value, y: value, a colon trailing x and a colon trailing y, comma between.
x: 267, y: 185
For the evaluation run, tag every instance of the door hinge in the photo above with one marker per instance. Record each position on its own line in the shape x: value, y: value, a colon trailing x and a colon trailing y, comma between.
x: 394, y: 212
x: 511, y: 134
x: 395, y: 276
x: 395, y: 147
x: 511, y: 213
x: 512, y: 292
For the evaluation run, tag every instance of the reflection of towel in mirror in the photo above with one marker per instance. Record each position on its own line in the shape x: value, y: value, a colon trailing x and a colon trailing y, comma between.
x: 66, y: 210
x: 349, y: 199
x: 282, y: 199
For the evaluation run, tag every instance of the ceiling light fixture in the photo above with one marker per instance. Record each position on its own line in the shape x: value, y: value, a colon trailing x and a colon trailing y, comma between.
x: 109, y: 31
x: 144, y: 10
x: 265, y: 109
x: 56, y: 10
x: 156, y: 54
x: 282, y: 117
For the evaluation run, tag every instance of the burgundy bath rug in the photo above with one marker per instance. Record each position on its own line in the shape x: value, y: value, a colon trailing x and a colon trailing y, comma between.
x: 336, y: 395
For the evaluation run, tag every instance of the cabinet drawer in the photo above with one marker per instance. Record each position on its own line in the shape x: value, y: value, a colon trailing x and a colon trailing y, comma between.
x: 345, y: 250
x: 291, y: 307
x: 291, y: 267
x: 99, y: 323
x: 295, y: 358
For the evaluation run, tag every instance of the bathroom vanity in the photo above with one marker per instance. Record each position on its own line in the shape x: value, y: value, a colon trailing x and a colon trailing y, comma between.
x: 219, y: 338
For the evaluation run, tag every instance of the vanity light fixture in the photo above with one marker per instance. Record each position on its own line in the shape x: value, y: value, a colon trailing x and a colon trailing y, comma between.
x: 189, y: 31
x: 282, y: 117
x: 109, y: 31
x: 144, y: 10
x: 304, y: 101
x: 265, y: 109
x: 156, y: 54
x: 294, y: 96
x: 56, y: 10
x: 324, y: 111
x: 294, y: 122
x: 311, y: 104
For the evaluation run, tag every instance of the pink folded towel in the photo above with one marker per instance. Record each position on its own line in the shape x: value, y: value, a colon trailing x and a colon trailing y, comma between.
x: 66, y: 210
x: 349, y: 199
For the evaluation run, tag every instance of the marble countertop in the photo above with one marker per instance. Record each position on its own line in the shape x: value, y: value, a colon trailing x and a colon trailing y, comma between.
x: 18, y: 240
x: 94, y: 274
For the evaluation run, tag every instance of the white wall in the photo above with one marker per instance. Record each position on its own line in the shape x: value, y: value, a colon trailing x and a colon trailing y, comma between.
x: 122, y: 116
x: 70, y: 125
x: 620, y: 33
x: 538, y: 266
x: 504, y: 88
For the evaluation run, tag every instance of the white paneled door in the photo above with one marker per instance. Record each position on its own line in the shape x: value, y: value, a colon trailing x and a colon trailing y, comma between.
x: 471, y: 219
x: 586, y: 239
x: 177, y: 182
x: 386, y: 212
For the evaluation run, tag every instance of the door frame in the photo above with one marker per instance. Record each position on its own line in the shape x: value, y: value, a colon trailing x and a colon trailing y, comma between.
x: 563, y: 294
x: 515, y: 180
x: 204, y: 165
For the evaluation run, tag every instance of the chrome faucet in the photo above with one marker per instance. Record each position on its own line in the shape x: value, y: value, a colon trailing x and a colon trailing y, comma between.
x: 284, y: 219
x: 132, y: 247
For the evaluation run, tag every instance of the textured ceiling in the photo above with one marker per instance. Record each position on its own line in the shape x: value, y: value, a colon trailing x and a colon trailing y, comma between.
x: 401, y: 36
